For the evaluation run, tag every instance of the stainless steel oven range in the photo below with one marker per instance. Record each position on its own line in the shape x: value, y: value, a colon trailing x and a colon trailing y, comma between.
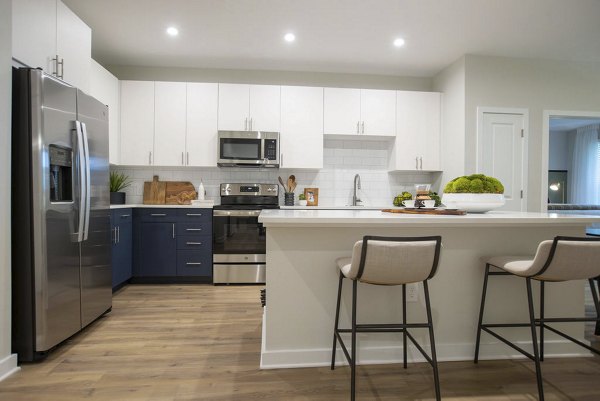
x: 239, y: 243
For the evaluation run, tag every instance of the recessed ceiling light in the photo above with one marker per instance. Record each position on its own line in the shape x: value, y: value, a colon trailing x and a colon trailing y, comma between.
x: 172, y: 31
x: 399, y: 42
x: 289, y: 37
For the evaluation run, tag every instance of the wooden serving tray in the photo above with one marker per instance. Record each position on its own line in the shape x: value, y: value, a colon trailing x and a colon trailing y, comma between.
x: 450, y: 212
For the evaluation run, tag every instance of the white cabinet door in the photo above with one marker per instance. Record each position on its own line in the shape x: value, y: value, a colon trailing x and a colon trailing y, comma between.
x: 201, y: 137
x: 74, y: 47
x: 169, y: 123
x: 265, y: 108
x: 341, y: 111
x: 104, y: 86
x: 378, y: 112
x: 234, y: 107
x: 301, y: 127
x: 418, y: 131
x: 34, y: 33
x: 137, y: 123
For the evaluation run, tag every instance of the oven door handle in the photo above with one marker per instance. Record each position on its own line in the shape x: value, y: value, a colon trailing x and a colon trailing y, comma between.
x: 236, y: 213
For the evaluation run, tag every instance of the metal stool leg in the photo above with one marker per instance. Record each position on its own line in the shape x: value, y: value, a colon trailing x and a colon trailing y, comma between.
x: 436, y: 376
x: 596, y: 304
x: 404, y: 350
x: 337, y: 319
x: 538, y: 368
x: 353, y: 352
x: 542, y: 320
x: 485, y: 282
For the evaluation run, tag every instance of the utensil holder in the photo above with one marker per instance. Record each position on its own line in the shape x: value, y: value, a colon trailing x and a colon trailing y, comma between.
x: 288, y: 199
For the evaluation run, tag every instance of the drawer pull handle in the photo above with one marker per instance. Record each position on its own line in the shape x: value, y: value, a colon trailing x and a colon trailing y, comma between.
x: 193, y: 263
x: 193, y: 229
x: 194, y: 243
x: 193, y: 214
x: 125, y: 215
x: 158, y: 214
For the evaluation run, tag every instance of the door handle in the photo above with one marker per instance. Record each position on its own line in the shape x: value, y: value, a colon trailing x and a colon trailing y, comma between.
x: 78, y: 144
x: 88, y: 183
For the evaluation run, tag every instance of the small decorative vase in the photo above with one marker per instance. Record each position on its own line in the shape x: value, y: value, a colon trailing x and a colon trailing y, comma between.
x: 117, y: 198
x: 302, y: 202
x: 288, y: 199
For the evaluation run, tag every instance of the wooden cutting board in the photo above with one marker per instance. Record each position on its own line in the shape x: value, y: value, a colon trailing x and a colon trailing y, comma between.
x: 180, y: 193
x: 450, y: 212
x: 154, y: 192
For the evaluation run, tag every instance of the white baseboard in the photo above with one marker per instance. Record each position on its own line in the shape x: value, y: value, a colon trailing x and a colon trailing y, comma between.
x: 281, y: 359
x: 8, y: 366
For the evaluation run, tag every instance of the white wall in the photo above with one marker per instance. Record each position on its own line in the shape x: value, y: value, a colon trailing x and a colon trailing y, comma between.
x: 451, y: 82
x: 536, y: 85
x: 559, y: 157
x: 104, y: 86
x: 8, y: 362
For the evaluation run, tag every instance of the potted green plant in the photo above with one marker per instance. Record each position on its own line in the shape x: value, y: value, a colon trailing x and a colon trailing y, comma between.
x: 476, y: 193
x: 302, y: 200
x: 118, y: 182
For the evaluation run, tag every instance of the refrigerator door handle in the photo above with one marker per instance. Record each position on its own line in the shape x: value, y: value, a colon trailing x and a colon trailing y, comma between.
x: 78, y: 145
x: 88, y: 188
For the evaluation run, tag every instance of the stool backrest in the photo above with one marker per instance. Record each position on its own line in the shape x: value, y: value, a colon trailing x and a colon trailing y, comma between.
x: 395, y: 260
x: 568, y: 258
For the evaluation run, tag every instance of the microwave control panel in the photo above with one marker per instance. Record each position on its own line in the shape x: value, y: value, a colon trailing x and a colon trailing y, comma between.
x: 271, y: 149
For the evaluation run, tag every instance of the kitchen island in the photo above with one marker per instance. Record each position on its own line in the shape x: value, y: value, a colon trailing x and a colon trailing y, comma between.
x: 302, y: 246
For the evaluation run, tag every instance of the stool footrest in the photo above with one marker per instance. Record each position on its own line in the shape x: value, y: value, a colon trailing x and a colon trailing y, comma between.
x: 576, y: 341
x: 510, y: 344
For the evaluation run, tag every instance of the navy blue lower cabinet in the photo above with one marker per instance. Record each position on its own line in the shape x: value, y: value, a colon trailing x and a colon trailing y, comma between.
x: 194, y: 264
x: 158, y: 250
x: 121, y: 236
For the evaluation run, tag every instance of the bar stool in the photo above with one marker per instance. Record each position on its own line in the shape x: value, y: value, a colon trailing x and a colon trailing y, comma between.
x: 388, y: 261
x: 561, y: 259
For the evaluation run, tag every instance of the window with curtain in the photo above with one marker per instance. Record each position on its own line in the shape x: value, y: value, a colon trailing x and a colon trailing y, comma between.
x: 585, y: 171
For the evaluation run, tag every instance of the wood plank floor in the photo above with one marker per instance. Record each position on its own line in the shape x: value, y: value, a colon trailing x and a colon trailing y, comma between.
x: 199, y: 342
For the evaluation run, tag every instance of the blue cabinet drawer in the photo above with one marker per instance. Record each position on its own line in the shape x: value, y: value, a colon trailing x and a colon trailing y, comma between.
x: 121, y: 216
x: 156, y: 215
x: 194, y: 228
x: 195, y: 242
x: 194, y: 263
x: 203, y: 216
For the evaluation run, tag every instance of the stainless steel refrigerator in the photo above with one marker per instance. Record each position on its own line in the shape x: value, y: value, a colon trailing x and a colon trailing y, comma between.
x: 61, y: 268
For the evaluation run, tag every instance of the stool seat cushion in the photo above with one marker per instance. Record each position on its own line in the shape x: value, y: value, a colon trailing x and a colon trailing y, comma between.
x: 518, y: 265
x: 344, y: 265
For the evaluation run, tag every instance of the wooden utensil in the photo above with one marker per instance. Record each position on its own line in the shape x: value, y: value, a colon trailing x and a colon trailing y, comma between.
x: 180, y: 193
x: 293, y: 184
x: 289, y: 184
x: 452, y: 212
x: 282, y: 184
x: 154, y: 192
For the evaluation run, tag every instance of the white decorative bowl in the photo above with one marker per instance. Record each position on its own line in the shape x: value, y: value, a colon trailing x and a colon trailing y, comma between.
x: 473, y: 203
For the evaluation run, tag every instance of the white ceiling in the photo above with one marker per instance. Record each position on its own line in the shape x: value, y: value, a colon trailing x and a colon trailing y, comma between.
x: 353, y: 36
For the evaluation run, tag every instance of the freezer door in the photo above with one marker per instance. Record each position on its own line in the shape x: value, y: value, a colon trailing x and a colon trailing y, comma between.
x: 55, y: 220
x: 96, y: 274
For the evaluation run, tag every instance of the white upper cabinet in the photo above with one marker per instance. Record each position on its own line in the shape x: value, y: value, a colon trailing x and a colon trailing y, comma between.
x: 418, y: 137
x: 137, y: 123
x: 104, y: 86
x: 169, y: 123
x: 360, y: 112
x: 301, y: 127
x: 249, y: 107
x: 201, y: 138
x: 47, y: 34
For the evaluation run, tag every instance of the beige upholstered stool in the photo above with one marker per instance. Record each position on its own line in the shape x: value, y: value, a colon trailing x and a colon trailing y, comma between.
x: 563, y: 259
x: 388, y: 261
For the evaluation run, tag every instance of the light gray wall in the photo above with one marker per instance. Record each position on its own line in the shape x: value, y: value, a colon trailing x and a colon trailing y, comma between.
x: 270, y: 77
x: 451, y: 82
x: 559, y: 157
x: 536, y: 85
x: 7, y: 362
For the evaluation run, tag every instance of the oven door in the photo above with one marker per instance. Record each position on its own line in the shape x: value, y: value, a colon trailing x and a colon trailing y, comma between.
x: 238, y: 237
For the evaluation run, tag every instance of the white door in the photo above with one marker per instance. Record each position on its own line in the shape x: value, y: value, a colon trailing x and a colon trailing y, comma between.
x: 234, y: 107
x: 169, y: 123
x: 265, y: 108
x: 137, y: 123
x: 301, y: 127
x: 341, y: 111
x: 378, y: 112
x: 74, y: 47
x: 502, y: 155
x: 201, y: 137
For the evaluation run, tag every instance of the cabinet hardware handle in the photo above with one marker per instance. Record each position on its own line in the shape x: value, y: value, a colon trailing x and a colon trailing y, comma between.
x: 363, y: 127
x: 421, y: 159
x: 125, y: 215
x: 193, y: 214
x: 150, y: 158
x: 251, y: 124
x: 158, y: 214
x: 114, y: 239
x: 182, y: 163
x: 416, y: 163
x: 118, y: 234
x: 246, y: 124
x: 61, y: 63
x: 193, y: 229
x: 281, y: 160
x: 188, y: 158
x: 358, y: 127
x: 193, y: 243
x: 193, y: 263
x: 173, y: 230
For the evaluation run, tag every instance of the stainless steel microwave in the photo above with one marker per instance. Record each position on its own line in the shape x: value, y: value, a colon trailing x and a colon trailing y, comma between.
x: 248, y: 149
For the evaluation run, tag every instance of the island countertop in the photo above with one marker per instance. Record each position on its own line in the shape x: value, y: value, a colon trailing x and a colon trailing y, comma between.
x: 377, y: 218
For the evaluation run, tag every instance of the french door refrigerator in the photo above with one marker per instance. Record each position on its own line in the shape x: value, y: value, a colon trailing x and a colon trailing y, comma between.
x: 61, y: 269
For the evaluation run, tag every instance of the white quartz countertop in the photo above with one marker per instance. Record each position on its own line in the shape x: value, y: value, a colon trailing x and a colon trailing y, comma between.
x: 358, y: 218
x: 139, y: 205
x: 338, y: 207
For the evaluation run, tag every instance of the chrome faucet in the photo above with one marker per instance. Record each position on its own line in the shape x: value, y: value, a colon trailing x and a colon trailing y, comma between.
x: 355, y: 200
